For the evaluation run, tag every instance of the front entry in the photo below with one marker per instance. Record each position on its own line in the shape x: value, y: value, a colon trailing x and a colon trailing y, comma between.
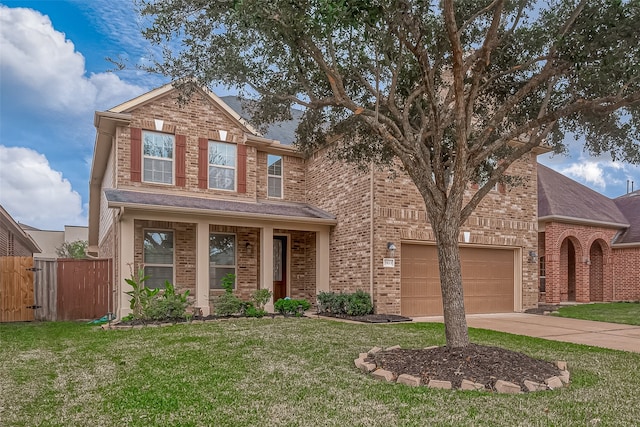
x: 279, y: 267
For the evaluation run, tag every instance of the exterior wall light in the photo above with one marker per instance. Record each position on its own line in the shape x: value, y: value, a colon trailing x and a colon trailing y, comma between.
x: 391, y: 249
x: 533, y: 257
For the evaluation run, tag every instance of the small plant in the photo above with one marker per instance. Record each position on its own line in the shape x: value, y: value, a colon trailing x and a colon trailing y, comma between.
x: 141, y: 296
x: 168, y: 305
x: 291, y: 307
x: 228, y: 304
x: 251, y: 311
x: 260, y: 297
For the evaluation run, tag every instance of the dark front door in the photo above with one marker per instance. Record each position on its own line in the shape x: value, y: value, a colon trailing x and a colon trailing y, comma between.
x: 279, y: 267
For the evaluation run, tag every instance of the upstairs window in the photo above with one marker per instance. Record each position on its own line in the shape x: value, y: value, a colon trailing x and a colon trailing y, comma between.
x: 274, y: 176
x: 158, y: 157
x: 222, y: 165
x: 158, y: 257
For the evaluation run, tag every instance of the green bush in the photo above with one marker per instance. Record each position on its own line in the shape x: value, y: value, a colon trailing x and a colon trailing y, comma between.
x: 356, y: 304
x: 228, y: 304
x: 168, y: 305
x: 291, y: 307
x: 251, y: 311
x: 260, y: 297
x: 359, y: 304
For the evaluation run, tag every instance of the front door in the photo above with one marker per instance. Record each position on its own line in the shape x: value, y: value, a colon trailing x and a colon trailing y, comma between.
x: 279, y: 267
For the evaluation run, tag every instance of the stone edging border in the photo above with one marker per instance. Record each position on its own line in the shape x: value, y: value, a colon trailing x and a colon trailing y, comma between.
x: 551, y: 383
x: 113, y: 326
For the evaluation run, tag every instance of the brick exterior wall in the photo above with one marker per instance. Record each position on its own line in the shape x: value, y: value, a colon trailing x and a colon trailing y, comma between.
x: 598, y: 271
x: 293, y: 178
x: 504, y: 218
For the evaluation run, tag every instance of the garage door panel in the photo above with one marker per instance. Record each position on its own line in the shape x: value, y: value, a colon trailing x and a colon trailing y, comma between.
x: 487, y: 276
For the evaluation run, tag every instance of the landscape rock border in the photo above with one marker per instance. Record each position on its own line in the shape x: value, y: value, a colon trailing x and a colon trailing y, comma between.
x: 365, y: 364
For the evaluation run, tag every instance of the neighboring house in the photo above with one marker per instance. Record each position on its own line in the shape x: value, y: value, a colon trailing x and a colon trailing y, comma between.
x: 589, y: 245
x: 13, y: 239
x: 192, y: 192
x: 49, y: 241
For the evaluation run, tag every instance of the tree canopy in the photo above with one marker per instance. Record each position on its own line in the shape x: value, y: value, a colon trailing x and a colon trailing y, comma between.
x: 455, y: 90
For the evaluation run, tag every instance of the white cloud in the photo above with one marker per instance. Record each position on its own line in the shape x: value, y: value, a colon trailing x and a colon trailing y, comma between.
x: 35, y: 194
x: 38, y: 64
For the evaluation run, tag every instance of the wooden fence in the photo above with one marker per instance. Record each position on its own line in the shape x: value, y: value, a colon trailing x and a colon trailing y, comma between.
x: 84, y: 288
x: 16, y: 289
x: 50, y: 289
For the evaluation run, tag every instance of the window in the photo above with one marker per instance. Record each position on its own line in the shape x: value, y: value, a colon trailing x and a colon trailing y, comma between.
x: 274, y: 176
x: 158, y: 257
x: 222, y: 258
x: 158, y: 157
x: 222, y: 165
x: 543, y: 274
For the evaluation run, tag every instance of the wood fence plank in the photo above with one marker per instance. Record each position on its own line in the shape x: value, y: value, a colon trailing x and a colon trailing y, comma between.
x: 16, y: 289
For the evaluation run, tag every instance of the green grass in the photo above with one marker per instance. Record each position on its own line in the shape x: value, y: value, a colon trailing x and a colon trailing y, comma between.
x: 280, y: 372
x: 614, y: 312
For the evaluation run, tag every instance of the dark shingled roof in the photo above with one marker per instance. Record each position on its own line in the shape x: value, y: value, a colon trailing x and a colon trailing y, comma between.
x: 629, y: 205
x: 275, y: 209
x: 562, y: 196
x: 284, y: 132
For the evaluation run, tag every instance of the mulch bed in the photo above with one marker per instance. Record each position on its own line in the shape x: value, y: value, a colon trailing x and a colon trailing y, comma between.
x: 477, y: 363
x: 370, y: 318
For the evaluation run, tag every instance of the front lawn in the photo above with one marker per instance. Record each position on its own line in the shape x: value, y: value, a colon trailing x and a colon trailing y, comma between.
x: 614, y: 312
x: 280, y: 372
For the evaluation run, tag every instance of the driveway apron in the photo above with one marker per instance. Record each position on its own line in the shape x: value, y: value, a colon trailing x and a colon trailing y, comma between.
x: 599, y: 334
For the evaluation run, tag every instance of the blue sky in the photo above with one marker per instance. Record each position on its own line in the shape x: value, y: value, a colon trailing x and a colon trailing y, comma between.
x: 53, y: 77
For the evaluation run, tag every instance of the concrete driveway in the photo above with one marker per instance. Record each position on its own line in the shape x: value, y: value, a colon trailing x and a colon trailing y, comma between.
x: 599, y: 334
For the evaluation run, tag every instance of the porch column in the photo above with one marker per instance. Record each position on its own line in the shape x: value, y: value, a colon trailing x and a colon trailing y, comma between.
x: 202, y: 267
x: 127, y: 266
x: 266, y: 263
x: 322, y: 261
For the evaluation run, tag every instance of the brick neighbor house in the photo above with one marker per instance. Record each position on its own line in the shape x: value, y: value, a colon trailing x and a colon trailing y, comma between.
x: 589, y: 245
x: 192, y: 192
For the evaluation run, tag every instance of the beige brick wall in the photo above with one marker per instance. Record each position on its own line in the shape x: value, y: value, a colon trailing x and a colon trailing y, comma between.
x: 504, y: 218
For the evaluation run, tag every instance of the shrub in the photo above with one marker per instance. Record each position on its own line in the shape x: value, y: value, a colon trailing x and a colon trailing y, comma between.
x: 291, y: 307
x: 356, y: 304
x: 359, y: 304
x: 251, y: 311
x: 168, y: 305
x: 228, y: 304
x: 260, y: 297
x: 141, y: 296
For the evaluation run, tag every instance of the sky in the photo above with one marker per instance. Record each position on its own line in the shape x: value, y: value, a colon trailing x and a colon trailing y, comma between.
x: 54, y: 75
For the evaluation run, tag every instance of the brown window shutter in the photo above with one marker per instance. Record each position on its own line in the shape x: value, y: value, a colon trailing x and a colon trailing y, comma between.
x: 203, y: 162
x: 136, y: 154
x: 181, y: 159
x: 242, y: 168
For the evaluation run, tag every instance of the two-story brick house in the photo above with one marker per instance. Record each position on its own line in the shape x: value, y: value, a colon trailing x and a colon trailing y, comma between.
x: 192, y: 192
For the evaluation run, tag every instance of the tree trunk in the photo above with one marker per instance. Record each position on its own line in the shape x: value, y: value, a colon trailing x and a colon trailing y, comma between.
x: 455, y: 322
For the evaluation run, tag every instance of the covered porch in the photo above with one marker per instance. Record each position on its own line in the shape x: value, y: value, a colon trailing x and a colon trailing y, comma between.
x: 195, y: 242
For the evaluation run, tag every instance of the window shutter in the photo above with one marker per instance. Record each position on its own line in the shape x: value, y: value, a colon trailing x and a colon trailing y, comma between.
x: 203, y: 162
x: 242, y: 168
x: 136, y: 154
x: 181, y: 159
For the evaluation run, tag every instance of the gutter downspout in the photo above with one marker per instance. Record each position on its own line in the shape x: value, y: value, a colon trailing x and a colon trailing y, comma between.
x: 371, y: 242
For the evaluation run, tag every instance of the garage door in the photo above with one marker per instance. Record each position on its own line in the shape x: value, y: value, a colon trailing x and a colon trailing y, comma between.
x: 487, y: 278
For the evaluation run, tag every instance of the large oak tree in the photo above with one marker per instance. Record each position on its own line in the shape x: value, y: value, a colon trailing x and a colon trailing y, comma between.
x: 455, y: 90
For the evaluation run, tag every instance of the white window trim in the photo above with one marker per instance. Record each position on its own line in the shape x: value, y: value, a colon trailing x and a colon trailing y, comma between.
x: 281, y: 176
x: 173, y: 260
x: 235, y: 168
x: 173, y: 160
x: 235, y: 260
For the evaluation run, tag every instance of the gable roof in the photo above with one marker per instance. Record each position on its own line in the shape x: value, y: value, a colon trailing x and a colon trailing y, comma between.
x: 283, y: 131
x: 629, y: 205
x: 11, y: 225
x: 566, y: 200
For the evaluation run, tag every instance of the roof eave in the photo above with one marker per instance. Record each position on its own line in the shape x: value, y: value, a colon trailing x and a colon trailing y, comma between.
x: 581, y: 221
x: 221, y: 213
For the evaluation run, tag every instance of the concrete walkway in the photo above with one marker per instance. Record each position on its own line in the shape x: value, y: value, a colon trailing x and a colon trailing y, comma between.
x: 600, y: 334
